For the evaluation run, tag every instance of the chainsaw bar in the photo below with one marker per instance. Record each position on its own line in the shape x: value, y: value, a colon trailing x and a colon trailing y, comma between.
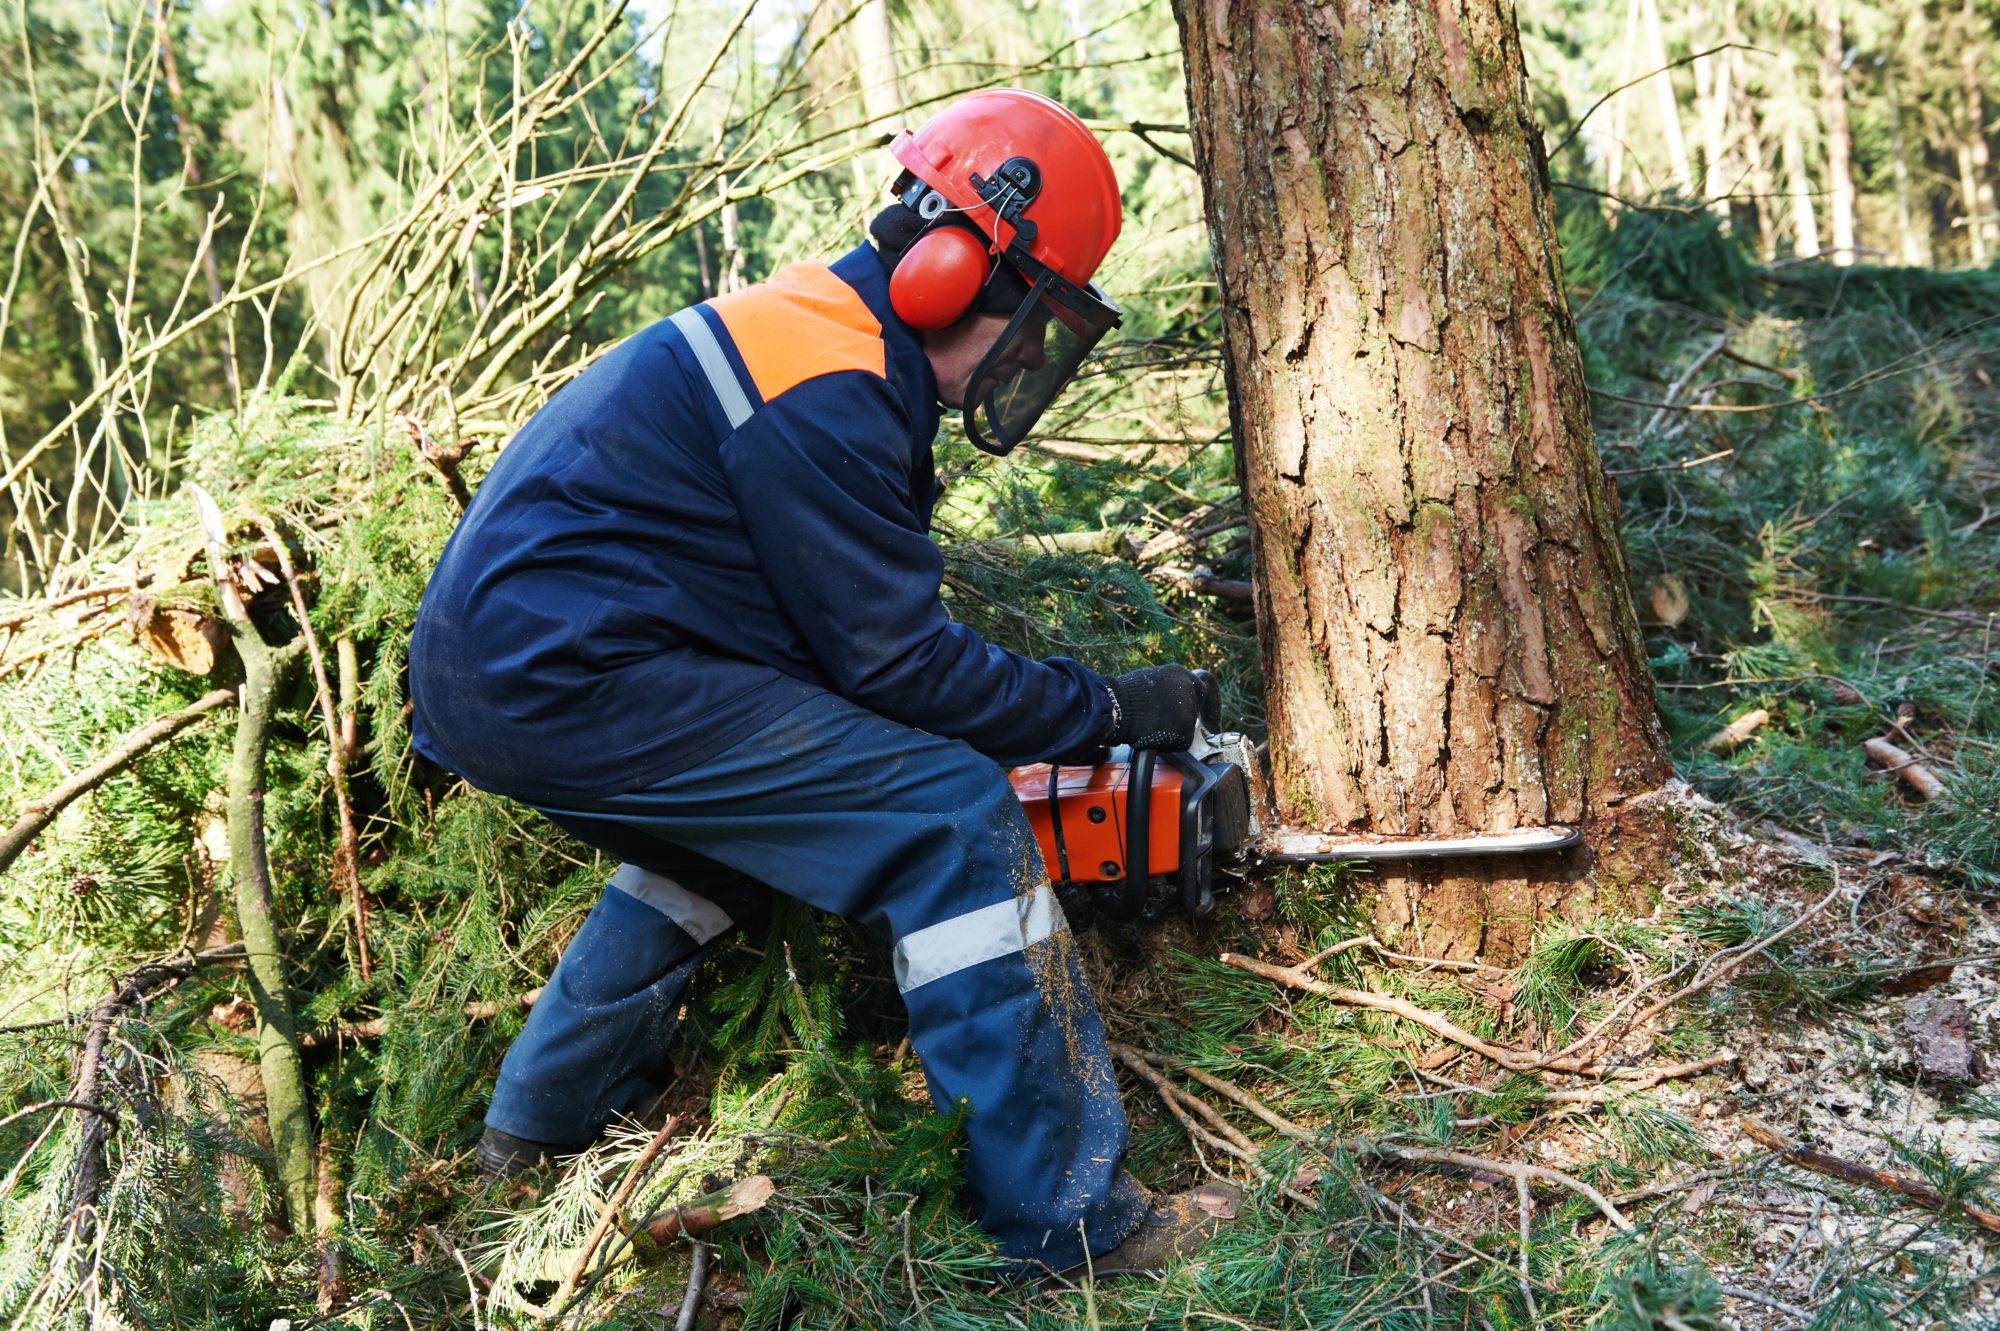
x: 1279, y: 847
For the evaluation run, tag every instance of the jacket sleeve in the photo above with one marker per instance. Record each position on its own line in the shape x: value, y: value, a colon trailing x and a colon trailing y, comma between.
x: 821, y: 478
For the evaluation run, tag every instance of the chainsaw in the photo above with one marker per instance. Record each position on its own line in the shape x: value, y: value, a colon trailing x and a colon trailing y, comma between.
x: 1141, y: 830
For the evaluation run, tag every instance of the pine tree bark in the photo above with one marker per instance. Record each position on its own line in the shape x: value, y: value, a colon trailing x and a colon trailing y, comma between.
x: 1449, y: 643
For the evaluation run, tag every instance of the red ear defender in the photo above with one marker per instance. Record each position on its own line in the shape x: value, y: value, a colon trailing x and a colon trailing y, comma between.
x: 939, y: 277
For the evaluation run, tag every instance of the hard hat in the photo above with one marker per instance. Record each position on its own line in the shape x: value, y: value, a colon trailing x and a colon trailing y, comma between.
x: 1036, y: 184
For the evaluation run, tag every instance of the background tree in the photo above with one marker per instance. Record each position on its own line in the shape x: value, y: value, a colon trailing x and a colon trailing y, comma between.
x: 1448, y: 641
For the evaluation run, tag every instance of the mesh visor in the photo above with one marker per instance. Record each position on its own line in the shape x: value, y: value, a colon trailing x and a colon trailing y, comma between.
x: 1050, y: 335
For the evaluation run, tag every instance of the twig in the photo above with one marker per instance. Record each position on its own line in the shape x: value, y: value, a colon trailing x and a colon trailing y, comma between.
x: 1726, y: 963
x: 697, y: 1279
x: 1427, y: 963
x: 1526, y: 1203
x: 622, y: 1194
x: 1569, y: 136
x: 1535, y: 1173
x: 32, y: 1110
x: 40, y: 813
x: 1141, y: 1066
x: 1515, y: 1060
x: 1923, y: 1194
x: 1853, y: 598
x: 1173, y: 1098
x: 1670, y: 1186
x: 1223, y: 1087
x: 1594, y: 1095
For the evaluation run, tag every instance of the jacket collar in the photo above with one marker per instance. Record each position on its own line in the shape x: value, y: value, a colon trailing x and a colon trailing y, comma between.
x: 909, y: 369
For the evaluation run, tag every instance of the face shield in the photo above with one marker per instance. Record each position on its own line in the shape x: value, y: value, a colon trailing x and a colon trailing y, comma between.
x: 1055, y: 328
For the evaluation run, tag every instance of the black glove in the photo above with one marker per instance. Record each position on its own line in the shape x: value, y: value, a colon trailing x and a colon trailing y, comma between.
x: 1155, y: 708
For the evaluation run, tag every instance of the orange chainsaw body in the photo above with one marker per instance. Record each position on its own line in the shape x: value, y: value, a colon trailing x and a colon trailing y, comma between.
x: 1090, y: 808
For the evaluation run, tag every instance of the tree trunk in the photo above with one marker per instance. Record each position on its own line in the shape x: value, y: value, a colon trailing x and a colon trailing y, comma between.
x: 1839, y: 141
x: 188, y: 132
x: 874, y: 41
x: 1913, y: 238
x: 1711, y: 79
x: 1798, y: 180
x: 1756, y: 163
x: 1975, y: 160
x: 1665, y: 104
x: 1448, y: 640
x: 1614, y: 150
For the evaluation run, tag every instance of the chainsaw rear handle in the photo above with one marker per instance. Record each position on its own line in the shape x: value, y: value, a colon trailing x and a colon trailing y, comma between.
x: 1138, y: 834
x: 1196, y: 896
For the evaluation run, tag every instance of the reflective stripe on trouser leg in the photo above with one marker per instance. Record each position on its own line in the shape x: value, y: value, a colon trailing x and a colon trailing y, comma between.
x: 596, y: 1044
x: 699, y: 917
x: 978, y: 935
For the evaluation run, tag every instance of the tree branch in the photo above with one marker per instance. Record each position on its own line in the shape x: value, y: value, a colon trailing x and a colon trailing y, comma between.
x: 40, y: 813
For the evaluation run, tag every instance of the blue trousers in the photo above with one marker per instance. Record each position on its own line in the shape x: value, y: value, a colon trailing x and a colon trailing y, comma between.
x: 916, y: 836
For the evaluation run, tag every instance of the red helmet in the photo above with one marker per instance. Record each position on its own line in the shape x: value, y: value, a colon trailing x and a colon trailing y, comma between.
x: 1036, y: 184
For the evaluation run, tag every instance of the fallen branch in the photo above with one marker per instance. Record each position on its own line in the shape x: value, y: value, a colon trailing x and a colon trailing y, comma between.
x: 1173, y: 1098
x: 1734, y: 735
x: 1727, y: 962
x: 1923, y: 1194
x: 1913, y: 773
x: 1597, y: 1095
x: 40, y: 813
x: 87, y: 1180
x: 703, y: 1214
x: 1117, y: 542
x: 1203, y: 581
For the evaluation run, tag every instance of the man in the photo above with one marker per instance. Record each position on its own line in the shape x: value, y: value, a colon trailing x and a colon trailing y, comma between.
x: 693, y: 617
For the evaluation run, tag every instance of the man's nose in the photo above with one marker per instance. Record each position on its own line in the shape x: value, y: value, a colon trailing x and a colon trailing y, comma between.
x: 1033, y: 351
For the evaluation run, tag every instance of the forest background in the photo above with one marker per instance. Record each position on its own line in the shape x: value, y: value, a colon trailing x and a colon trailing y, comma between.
x: 319, y: 260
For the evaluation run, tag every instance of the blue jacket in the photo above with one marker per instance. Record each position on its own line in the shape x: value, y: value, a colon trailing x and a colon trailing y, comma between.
x: 723, y: 517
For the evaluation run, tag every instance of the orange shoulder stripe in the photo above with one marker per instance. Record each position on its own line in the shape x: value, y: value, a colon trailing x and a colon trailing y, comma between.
x: 802, y: 323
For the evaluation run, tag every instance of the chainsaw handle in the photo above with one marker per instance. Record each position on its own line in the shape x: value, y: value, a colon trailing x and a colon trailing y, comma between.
x: 1138, y: 834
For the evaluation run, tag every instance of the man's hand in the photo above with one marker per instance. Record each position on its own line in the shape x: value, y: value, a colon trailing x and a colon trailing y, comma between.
x: 1156, y: 708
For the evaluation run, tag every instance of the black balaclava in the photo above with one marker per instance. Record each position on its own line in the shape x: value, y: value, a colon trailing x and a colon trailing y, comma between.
x: 897, y: 227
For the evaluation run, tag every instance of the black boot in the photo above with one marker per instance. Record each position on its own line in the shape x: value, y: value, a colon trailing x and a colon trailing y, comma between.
x: 502, y: 1155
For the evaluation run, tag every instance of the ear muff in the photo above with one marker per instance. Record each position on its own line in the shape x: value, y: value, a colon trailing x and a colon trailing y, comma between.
x: 939, y: 277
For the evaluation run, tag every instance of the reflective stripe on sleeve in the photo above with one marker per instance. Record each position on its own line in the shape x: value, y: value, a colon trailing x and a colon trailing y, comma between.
x: 715, y: 365
x: 998, y: 930
x: 699, y: 917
